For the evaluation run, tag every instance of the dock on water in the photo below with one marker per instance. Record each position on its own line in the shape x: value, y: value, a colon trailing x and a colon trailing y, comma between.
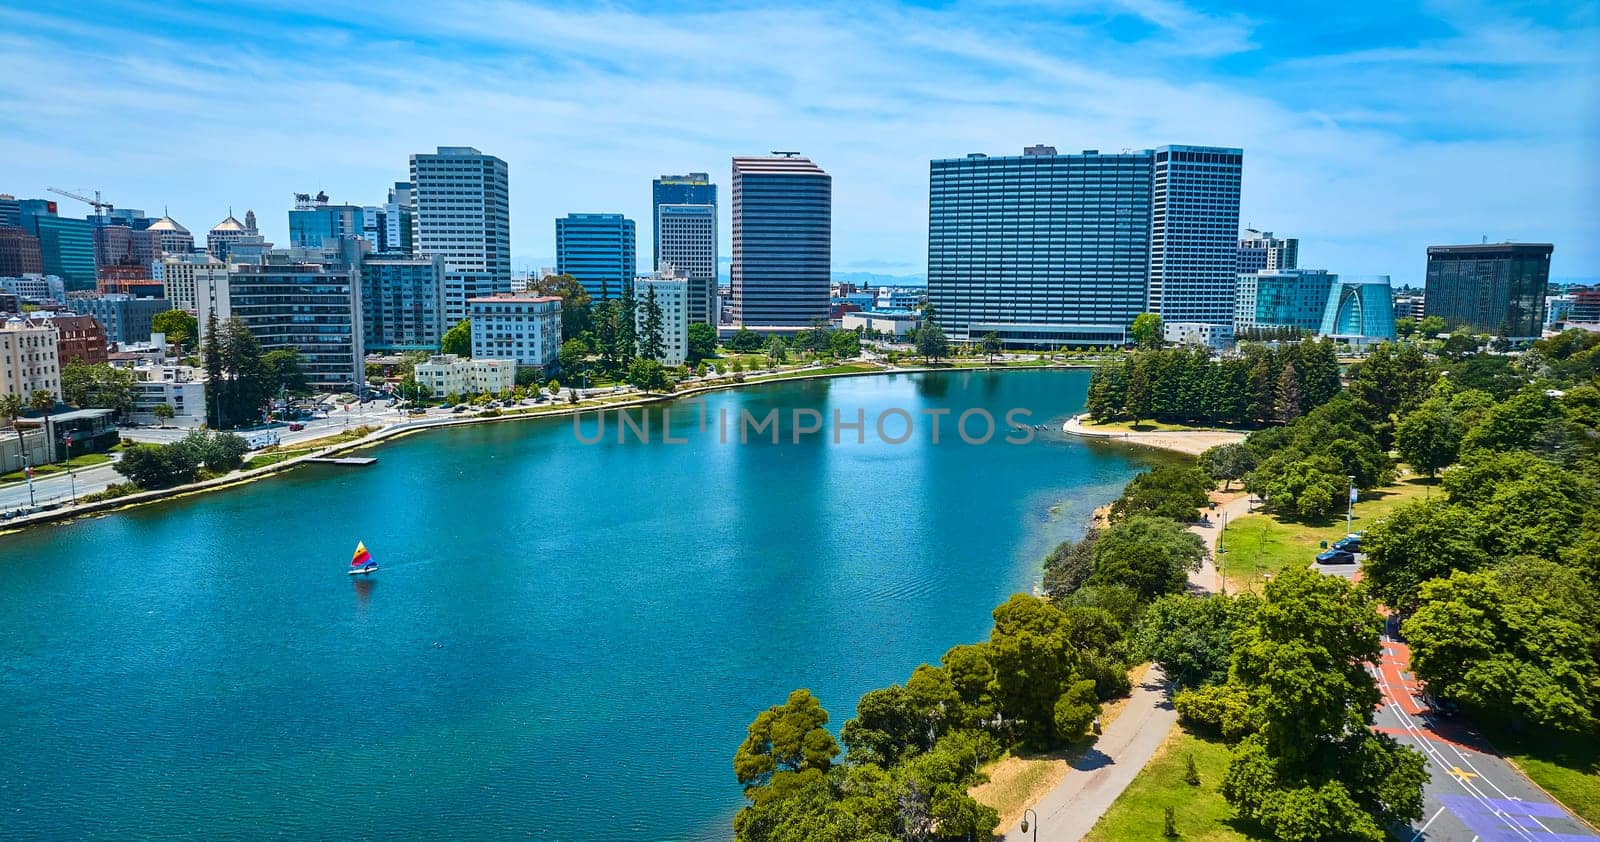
x: 344, y: 460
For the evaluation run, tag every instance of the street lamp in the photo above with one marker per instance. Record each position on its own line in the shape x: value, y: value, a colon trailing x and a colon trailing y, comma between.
x: 1350, y: 508
x: 1025, y: 815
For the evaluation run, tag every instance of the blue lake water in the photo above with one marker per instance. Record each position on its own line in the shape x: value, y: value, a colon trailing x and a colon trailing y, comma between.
x: 566, y: 641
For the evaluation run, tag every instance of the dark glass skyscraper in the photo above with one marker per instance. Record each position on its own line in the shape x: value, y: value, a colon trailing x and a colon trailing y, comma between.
x: 1495, y: 288
x: 1042, y: 249
x: 684, y: 214
x: 782, y: 241
x: 599, y: 250
x: 66, y: 245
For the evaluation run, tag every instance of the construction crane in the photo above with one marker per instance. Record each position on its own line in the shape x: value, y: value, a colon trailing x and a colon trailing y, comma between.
x: 101, y: 208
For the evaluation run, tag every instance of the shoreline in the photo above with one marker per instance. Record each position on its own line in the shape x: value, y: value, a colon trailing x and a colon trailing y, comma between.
x: 1188, y: 442
x: 67, y: 514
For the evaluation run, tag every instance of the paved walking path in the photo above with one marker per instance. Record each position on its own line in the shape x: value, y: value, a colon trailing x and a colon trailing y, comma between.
x: 1095, y: 780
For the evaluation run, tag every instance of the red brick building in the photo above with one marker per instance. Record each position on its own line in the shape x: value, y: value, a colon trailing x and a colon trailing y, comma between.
x: 78, y: 338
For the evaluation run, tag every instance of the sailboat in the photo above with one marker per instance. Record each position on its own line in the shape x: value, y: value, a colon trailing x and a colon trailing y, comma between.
x: 362, y: 561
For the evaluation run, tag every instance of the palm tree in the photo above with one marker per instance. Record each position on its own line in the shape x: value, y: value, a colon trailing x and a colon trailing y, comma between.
x: 42, y: 402
x: 11, y: 407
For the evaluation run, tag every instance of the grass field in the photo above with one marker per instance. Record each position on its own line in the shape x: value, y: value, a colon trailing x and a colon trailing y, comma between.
x: 84, y: 461
x: 1138, y: 815
x: 1567, y: 767
x: 1260, y: 544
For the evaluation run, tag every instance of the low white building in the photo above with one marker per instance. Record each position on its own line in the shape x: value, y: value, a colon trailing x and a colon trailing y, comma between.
x: 899, y: 298
x: 524, y: 328
x: 28, y: 359
x: 672, y: 296
x: 448, y: 374
x: 1198, y: 333
x: 181, y: 387
x: 895, y: 325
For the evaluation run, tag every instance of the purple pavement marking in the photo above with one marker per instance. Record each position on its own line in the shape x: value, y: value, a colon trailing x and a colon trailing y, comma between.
x: 1515, y: 821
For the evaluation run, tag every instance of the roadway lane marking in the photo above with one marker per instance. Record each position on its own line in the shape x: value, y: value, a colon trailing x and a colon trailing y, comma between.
x: 1426, y: 825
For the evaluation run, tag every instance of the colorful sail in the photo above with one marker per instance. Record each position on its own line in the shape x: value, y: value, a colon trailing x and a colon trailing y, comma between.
x: 362, y: 557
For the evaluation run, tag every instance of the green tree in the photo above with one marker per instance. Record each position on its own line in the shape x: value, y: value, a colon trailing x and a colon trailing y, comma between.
x: 1431, y: 326
x: 1515, y: 644
x: 99, y: 385
x: 845, y: 344
x: 1428, y: 437
x: 702, y: 342
x: 1288, y: 399
x: 1228, y: 462
x: 1297, y: 487
x: 458, y: 340
x: 163, y: 413
x: 991, y: 345
x: 777, y: 352
x: 1314, y: 769
x: 652, y: 336
x: 931, y: 342
x: 217, y: 452
x: 1147, y: 330
x: 648, y: 375
x: 1149, y: 555
x: 1191, y: 636
x: 1035, y: 667
x: 1169, y: 491
x: 571, y: 357
x: 282, y: 372
x: 790, y: 737
x: 1068, y: 566
x: 576, y: 304
x: 745, y: 341
x: 1515, y: 423
x: 180, y: 328
x: 152, y: 466
x: 1417, y: 542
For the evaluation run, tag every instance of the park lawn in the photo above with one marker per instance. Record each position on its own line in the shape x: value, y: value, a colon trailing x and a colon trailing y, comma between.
x: 272, y: 457
x: 1138, y: 814
x: 1255, y: 545
x: 1566, y: 766
x: 83, y: 461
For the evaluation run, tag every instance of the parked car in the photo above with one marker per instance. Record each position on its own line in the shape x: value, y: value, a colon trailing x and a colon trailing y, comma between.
x: 296, y: 427
x: 1336, y: 556
x: 1349, y: 543
x: 460, y: 407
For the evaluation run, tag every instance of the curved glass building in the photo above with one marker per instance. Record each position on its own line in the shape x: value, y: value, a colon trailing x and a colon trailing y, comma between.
x: 1359, y: 310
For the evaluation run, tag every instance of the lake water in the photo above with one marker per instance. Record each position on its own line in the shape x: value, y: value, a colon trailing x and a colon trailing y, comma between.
x: 565, y: 641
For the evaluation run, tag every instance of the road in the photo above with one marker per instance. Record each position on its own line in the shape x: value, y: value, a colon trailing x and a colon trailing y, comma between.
x: 58, y: 488
x: 1473, y: 794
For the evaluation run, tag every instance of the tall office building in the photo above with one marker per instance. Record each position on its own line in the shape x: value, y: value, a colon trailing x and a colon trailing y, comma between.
x: 183, y: 275
x: 175, y: 239
x: 1194, y: 231
x: 599, y: 250
x: 10, y: 211
x: 313, y: 309
x: 66, y: 245
x: 121, y: 245
x: 782, y: 241
x: 222, y: 236
x: 1260, y: 251
x: 684, y: 214
x: 19, y: 253
x: 1495, y: 288
x: 314, y: 221
x: 402, y: 302
x: 1042, y: 249
x: 1294, y: 298
x: 388, y: 226
x: 463, y: 214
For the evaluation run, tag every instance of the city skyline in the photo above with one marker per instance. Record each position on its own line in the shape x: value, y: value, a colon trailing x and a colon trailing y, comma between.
x: 1366, y: 172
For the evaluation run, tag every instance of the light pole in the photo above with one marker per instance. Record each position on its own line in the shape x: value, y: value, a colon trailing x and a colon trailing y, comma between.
x: 1025, y: 815
x: 1350, y: 508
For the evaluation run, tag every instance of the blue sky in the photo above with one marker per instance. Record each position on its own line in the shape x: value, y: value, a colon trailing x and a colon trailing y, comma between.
x: 1370, y: 130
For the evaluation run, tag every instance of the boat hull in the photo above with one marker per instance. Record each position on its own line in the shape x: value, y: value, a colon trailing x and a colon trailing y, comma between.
x: 362, y: 571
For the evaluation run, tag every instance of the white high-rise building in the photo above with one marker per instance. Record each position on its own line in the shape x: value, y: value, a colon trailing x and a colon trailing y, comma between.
x: 672, y: 296
x: 1194, y: 233
x: 183, y: 275
x: 463, y: 214
x: 28, y: 359
x: 1259, y: 251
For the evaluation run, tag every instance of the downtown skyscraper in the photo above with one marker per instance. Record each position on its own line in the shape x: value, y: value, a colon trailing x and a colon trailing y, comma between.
x: 1047, y: 249
x: 1194, y: 233
x: 463, y: 214
x: 782, y: 241
x: 599, y: 250
x: 684, y: 215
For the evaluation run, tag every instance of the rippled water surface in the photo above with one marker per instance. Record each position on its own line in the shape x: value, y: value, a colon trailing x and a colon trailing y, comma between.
x: 565, y: 641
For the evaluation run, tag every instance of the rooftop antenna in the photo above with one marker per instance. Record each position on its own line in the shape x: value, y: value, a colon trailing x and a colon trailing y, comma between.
x: 786, y: 154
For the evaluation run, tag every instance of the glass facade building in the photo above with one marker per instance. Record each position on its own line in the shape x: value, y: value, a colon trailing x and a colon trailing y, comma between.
x: 463, y: 213
x: 402, y: 302
x: 1043, y: 249
x: 1492, y: 288
x: 1289, y: 298
x: 1359, y: 310
x: 599, y: 250
x: 66, y: 245
x: 126, y: 318
x: 684, y: 214
x: 314, y: 223
x: 782, y: 241
x: 308, y: 308
x: 1194, y: 233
